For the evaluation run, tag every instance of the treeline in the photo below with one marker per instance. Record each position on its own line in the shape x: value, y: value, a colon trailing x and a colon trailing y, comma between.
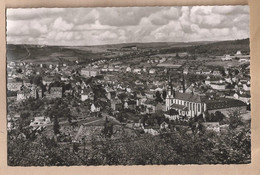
x: 177, y: 147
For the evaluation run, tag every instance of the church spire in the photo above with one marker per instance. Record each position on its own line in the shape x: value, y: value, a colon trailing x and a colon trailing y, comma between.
x: 170, y: 88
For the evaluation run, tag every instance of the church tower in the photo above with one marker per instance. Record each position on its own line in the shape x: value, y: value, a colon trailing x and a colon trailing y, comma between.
x: 170, y: 94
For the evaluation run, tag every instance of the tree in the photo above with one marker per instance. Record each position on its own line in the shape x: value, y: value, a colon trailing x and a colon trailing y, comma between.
x: 56, y: 126
x: 219, y: 116
x: 164, y: 94
x: 19, y: 70
x: 235, y: 119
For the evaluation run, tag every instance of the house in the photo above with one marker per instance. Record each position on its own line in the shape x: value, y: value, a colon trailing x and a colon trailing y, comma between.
x: 186, y: 70
x: 14, y: 85
x: 129, y: 48
x: 137, y: 71
x: 152, y: 71
x: 87, y: 94
x: 64, y: 78
x: 244, y: 60
x: 238, y: 53
x: 160, y: 107
x: 244, y: 97
x: 23, y: 94
x: 211, y: 126
x: 41, y: 121
x: 137, y: 124
x: 226, y: 58
x: 95, y: 107
x: 128, y: 69
x: 150, y: 106
x: 150, y: 130
x: 138, y: 82
x: 27, y: 83
x: 10, y: 125
x: 216, y: 73
x: 246, y: 87
x: 47, y: 80
x: 210, y: 80
x: 206, y: 72
x: 110, y: 95
x: 130, y: 104
x: 150, y: 95
x: 141, y: 98
x: 54, y: 92
x: 116, y: 104
x: 89, y: 72
x: 164, y: 125
x: 218, y: 86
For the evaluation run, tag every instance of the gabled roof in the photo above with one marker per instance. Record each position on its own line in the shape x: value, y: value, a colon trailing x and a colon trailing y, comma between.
x: 87, y: 91
x: 181, y: 107
x: 189, y: 97
x: 151, y: 102
x: 172, y: 112
x: 223, y: 103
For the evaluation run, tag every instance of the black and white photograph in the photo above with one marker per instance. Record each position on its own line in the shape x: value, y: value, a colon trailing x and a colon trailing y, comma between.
x: 97, y: 86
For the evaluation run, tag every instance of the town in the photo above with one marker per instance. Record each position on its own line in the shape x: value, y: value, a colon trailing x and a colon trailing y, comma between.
x: 127, y: 94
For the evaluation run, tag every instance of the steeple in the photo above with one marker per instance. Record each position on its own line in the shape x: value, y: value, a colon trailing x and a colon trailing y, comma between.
x: 170, y: 88
x: 183, y: 82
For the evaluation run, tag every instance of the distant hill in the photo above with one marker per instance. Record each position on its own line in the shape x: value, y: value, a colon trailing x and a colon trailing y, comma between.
x: 39, y: 53
x: 217, y: 48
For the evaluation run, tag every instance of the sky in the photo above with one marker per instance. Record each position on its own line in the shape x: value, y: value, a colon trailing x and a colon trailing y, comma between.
x: 97, y: 26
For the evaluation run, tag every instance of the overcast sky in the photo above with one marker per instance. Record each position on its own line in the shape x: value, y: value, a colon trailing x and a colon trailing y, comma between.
x: 94, y: 26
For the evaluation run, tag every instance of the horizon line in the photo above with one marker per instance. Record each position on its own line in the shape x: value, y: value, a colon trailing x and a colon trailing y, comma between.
x: 127, y: 43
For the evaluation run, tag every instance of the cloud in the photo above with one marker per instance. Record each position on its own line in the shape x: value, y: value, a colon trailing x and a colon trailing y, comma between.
x: 32, y: 13
x: 230, y: 10
x: 91, y: 26
x: 61, y: 25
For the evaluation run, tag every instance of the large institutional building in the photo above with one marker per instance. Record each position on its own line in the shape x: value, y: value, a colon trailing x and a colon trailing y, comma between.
x: 190, y: 105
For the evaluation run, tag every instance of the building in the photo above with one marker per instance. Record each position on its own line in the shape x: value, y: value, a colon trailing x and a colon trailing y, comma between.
x: 150, y: 106
x: 89, y: 72
x: 218, y: 86
x: 129, y: 48
x: 95, y: 107
x: 40, y: 122
x: 190, y: 105
x: 23, y: 94
x: 87, y: 94
x: 128, y: 69
x: 226, y: 58
x: 211, y: 126
x: 116, y: 104
x: 14, y: 85
x: 54, y: 92
x: 152, y: 71
x: 130, y: 104
x: 47, y: 80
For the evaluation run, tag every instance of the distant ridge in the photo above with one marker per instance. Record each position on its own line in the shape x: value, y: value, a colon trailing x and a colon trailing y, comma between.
x: 46, y: 53
x: 140, y: 44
